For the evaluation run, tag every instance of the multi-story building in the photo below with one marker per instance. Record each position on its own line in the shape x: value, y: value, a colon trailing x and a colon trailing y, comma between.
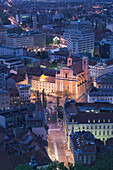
x: 4, y: 100
x: 39, y: 39
x: 58, y: 55
x: 22, y: 17
x: 43, y: 82
x: 103, y: 89
x: 12, y: 62
x: 24, y: 92
x: 42, y: 18
x: 105, y: 81
x: 101, y: 68
x: 74, y: 78
x: 4, y: 72
x: 94, y: 117
x: 25, y: 40
x: 31, y: 40
x: 10, y: 50
x: 34, y: 22
x: 106, y: 49
x: 3, y: 34
x: 80, y: 41
x: 78, y: 25
x: 100, y: 94
x: 83, y: 147
x: 17, y: 120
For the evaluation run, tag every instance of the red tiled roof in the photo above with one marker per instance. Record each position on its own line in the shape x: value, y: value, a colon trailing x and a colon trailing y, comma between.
x: 17, y: 78
x: 77, y: 67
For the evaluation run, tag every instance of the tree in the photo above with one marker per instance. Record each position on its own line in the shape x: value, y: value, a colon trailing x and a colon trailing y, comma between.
x: 38, y: 97
x: 67, y: 94
x: 23, y: 167
x: 44, y: 99
x: 58, y: 93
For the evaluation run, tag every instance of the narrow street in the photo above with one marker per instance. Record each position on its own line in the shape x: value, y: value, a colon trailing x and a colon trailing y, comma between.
x: 56, y: 140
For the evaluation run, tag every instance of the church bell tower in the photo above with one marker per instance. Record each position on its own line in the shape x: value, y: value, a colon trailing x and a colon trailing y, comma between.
x: 69, y: 60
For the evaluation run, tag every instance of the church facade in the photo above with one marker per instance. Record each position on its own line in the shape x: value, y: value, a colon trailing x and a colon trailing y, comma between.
x: 74, y: 78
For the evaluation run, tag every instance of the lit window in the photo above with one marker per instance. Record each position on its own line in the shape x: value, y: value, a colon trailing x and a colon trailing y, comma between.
x: 109, y: 120
x: 98, y: 120
x: 88, y: 120
x: 93, y: 120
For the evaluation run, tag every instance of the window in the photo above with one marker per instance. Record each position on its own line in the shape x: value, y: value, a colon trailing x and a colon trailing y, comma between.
x: 109, y: 120
x: 103, y: 120
x: 87, y: 127
x: 99, y: 127
x: 103, y: 132
x: 66, y: 75
x: 83, y: 127
x: 104, y: 127
x: 95, y: 127
x: 99, y: 132
x: 108, y: 132
x: 91, y: 127
x: 108, y: 127
x: 95, y: 132
x: 98, y: 120
x: 88, y: 120
x: 93, y: 120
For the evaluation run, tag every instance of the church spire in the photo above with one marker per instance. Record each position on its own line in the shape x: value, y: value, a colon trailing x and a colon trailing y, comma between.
x: 70, y: 54
x: 69, y: 59
x: 33, y: 162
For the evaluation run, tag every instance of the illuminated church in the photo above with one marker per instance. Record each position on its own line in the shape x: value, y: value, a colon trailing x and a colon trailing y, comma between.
x: 74, y: 78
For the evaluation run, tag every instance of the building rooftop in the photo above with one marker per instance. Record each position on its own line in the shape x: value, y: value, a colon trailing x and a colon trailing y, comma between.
x: 101, y: 92
x: 10, y: 47
x: 29, y: 33
x: 97, y: 112
x: 23, y: 86
x: 105, y: 79
x: 83, y: 142
x: 3, y: 92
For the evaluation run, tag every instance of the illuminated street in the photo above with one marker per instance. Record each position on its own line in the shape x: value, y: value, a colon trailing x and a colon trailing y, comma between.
x: 56, y: 144
x: 56, y: 140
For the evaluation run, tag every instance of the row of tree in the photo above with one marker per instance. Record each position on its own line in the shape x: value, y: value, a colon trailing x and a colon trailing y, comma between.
x: 44, y: 99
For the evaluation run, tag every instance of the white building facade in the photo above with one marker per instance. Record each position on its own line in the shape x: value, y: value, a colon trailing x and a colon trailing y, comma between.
x: 24, y: 92
x: 10, y: 50
x: 43, y: 82
x: 80, y: 41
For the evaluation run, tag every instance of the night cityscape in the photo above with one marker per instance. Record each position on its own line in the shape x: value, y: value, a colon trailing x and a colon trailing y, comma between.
x: 56, y: 84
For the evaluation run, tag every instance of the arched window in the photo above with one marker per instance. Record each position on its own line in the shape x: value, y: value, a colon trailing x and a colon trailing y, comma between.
x: 66, y: 75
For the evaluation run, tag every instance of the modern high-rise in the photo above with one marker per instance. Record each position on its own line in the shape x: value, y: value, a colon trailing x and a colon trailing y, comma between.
x: 80, y: 41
